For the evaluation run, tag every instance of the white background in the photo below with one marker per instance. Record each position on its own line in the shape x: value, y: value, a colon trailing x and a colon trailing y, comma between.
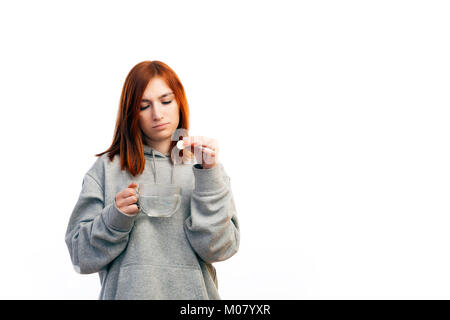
x: 332, y: 117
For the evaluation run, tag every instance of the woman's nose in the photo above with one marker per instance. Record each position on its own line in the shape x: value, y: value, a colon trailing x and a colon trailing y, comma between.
x: 157, y: 114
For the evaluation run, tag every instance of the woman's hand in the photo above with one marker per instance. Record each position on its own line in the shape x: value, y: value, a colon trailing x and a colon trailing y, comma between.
x: 126, y: 200
x: 205, y: 149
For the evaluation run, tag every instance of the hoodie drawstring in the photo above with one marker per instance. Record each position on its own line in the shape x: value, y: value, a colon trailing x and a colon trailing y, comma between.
x: 154, y: 168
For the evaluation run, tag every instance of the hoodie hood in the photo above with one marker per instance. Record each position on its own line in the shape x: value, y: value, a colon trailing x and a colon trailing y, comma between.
x: 150, y: 151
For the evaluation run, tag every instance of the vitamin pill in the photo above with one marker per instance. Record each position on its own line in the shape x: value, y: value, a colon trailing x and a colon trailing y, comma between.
x: 180, y: 144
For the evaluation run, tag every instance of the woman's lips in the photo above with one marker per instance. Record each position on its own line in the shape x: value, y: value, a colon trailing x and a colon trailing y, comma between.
x: 160, y: 126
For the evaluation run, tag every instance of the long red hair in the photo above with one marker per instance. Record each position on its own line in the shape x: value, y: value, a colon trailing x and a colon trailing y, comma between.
x: 127, y: 141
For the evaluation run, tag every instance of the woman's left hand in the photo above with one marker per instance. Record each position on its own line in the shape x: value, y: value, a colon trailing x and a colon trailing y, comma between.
x: 205, y: 149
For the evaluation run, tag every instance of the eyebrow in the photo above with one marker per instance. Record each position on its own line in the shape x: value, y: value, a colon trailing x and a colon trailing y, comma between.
x: 164, y: 95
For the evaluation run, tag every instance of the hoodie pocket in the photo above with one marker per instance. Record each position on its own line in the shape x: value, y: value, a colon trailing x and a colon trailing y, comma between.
x: 154, y: 282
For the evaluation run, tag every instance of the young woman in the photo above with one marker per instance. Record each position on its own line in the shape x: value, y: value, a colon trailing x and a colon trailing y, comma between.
x: 140, y: 256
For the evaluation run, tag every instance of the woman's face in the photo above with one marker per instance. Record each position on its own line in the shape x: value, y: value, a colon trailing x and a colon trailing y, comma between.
x: 158, y: 106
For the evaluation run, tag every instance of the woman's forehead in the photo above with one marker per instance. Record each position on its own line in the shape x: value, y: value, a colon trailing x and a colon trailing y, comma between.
x: 147, y: 98
x: 156, y: 88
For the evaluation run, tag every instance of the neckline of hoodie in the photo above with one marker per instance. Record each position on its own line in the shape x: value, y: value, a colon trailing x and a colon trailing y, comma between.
x: 156, y: 159
x: 149, y: 150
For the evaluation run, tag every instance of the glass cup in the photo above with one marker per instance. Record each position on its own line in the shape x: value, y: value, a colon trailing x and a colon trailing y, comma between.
x: 158, y: 200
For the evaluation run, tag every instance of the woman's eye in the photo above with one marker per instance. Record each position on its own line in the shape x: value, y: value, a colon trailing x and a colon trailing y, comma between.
x: 164, y: 102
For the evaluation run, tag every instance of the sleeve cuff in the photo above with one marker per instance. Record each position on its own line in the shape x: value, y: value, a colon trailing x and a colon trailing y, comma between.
x: 118, y: 220
x: 207, y: 180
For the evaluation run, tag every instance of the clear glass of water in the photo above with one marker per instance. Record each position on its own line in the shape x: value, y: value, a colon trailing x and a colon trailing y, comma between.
x: 158, y: 200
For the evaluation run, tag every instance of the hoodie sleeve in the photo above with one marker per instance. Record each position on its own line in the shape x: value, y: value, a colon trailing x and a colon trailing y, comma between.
x: 96, y: 234
x: 212, y: 228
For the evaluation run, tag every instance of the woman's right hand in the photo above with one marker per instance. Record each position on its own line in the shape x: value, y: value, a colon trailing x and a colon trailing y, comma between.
x: 126, y: 200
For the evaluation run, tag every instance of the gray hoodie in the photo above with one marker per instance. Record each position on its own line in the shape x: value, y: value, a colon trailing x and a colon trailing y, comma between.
x: 142, y: 257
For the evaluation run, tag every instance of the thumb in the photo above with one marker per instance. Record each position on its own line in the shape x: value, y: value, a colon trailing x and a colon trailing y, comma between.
x: 132, y: 185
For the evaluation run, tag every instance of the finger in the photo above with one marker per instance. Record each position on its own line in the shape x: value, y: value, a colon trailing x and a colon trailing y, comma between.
x: 128, y: 192
x: 133, y: 209
x: 206, y: 149
x: 207, y: 143
x: 209, y: 157
x: 120, y: 202
x: 125, y: 200
x: 133, y: 185
x: 192, y: 140
x: 130, y: 200
x: 202, y: 145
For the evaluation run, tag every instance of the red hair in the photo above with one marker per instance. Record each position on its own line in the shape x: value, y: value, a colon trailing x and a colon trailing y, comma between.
x: 127, y: 141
